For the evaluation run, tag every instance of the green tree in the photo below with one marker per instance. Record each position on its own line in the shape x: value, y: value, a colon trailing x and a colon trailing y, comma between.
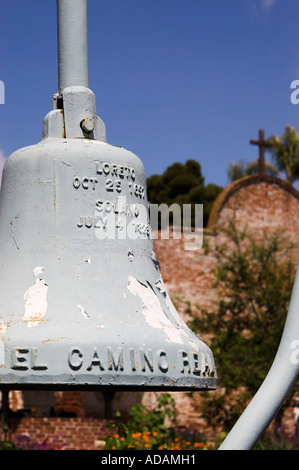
x: 255, y: 281
x: 183, y: 184
x: 237, y: 170
x: 285, y: 153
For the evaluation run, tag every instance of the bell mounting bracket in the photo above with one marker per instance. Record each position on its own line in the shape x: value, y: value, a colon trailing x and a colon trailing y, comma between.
x: 74, y: 114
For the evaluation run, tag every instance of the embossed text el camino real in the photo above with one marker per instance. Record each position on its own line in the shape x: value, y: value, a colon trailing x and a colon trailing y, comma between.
x: 97, y: 360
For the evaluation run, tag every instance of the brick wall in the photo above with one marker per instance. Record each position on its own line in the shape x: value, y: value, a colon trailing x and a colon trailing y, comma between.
x: 261, y: 203
x: 71, y: 433
x: 258, y: 202
x: 66, y: 402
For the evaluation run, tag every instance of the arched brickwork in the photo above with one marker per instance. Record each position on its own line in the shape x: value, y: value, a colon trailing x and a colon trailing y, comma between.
x: 258, y: 201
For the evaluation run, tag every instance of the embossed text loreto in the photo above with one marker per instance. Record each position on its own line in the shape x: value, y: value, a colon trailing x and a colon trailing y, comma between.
x: 114, y: 217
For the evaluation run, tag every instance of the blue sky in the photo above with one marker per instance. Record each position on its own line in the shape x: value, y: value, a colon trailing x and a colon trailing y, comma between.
x: 173, y: 79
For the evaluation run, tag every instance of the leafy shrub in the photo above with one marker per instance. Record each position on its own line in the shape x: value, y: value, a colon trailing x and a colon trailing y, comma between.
x: 279, y: 440
x: 146, y: 429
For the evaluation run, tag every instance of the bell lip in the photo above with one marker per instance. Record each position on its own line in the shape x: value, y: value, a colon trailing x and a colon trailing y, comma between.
x: 102, y: 388
x: 119, y: 379
x: 118, y: 382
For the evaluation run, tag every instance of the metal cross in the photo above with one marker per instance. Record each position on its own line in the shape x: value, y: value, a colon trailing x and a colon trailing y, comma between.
x: 263, y: 144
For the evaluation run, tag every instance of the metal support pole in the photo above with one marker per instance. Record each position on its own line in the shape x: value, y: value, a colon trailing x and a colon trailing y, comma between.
x: 270, y: 396
x: 74, y: 98
x: 4, y: 407
x: 72, y: 44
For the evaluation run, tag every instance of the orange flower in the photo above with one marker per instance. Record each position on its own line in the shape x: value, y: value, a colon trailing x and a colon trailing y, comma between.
x: 199, y: 444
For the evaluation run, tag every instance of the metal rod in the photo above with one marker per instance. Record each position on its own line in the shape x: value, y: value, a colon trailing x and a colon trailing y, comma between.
x: 72, y: 43
x: 4, y: 407
x: 278, y: 382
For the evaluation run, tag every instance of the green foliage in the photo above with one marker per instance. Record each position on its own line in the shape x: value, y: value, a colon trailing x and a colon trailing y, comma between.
x: 285, y: 153
x: 146, y: 420
x: 278, y: 440
x: 255, y: 280
x: 154, y: 430
x: 183, y: 184
x: 145, y: 428
x: 237, y: 170
x: 285, y: 158
x: 7, y: 443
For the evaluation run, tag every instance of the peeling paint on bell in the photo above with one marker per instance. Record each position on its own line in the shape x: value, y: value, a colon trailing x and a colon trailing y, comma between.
x: 153, y: 312
x: 36, y: 300
x: 3, y: 328
x: 83, y: 312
